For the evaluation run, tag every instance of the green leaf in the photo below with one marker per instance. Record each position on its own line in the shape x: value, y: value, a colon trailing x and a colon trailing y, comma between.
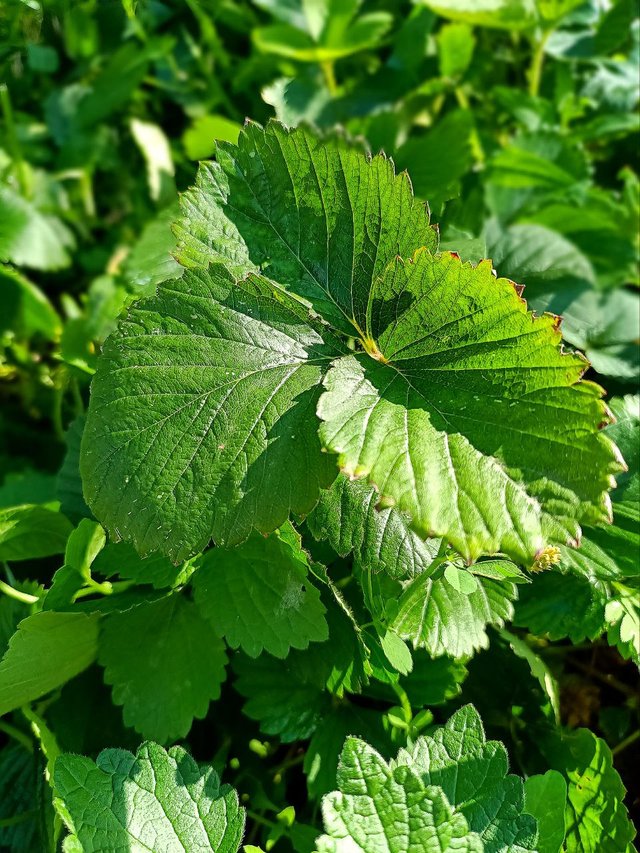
x: 286, y: 697
x: 150, y: 261
x: 456, y: 44
x: 559, y: 606
x: 538, y: 668
x: 153, y: 800
x: 622, y: 615
x: 439, y: 158
x: 381, y: 807
x: 322, y: 32
x: 46, y: 651
x: 434, y: 616
x: 30, y: 238
x: 83, y: 546
x: 26, y: 310
x: 596, y: 818
x: 258, y: 596
x: 199, y: 139
x: 325, y: 224
x: 467, y: 415
x: 201, y: 418
x: 30, y: 531
x: 497, y: 14
x: 349, y: 516
x: 165, y: 665
x: 472, y: 772
x: 545, y: 798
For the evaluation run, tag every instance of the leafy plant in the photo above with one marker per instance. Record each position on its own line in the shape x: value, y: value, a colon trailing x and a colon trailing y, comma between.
x: 297, y: 486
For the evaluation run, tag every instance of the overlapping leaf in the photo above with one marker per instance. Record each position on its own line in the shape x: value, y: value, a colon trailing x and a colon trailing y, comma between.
x: 165, y: 664
x: 472, y: 772
x: 202, y: 416
x: 259, y: 596
x: 468, y: 416
x: 457, y: 405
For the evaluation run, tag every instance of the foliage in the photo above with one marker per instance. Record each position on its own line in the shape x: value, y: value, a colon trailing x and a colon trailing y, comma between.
x: 318, y: 532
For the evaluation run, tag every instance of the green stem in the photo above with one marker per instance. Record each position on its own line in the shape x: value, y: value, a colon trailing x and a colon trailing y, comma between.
x: 328, y: 71
x: 13, y: 143
x: 17, y: 735
x: 633, y: 737
x: 258, y: 818
x: 25, y: 597
x: 476, y: 145
x: 537, y: 63
x: 404, y: 702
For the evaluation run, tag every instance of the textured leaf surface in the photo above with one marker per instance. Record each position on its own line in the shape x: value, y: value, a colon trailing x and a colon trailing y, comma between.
x: 47, y: 650
x: 201, y: 421
x: 165, y: 664
x: 258, y: 596
x: 321, y: 218
x: 472, y: 772
x: 436, y: 617
x: 386, y: 809
x: 154, y: 800
x: 469, y: 417
x: 348, y: 515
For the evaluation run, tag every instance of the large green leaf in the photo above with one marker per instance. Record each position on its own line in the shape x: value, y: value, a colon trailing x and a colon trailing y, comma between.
x: 201, y: 421
x: 457, y: 404
x: 46, y: 651
x: 258, y: 596
x: 472, y: 772
x: 317, y: 215
x: 165, y: 664
x: 153, y: 800
x: 468, y: 416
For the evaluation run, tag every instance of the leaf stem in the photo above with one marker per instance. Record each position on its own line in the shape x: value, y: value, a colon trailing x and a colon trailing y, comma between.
x: 24, y: 597
x: 537, y: 63
x: 329, y: 74
x: 632, y: 738
x: 13, y: 143
x: 17, y: 735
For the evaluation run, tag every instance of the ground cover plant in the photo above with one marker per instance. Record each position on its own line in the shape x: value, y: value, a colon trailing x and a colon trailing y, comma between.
x: 318, y: 531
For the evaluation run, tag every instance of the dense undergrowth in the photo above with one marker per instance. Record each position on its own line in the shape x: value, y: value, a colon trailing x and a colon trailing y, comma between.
x: 292, y: 477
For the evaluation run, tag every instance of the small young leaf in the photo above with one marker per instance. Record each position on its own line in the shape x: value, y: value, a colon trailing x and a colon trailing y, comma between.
x: 434, y: 616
